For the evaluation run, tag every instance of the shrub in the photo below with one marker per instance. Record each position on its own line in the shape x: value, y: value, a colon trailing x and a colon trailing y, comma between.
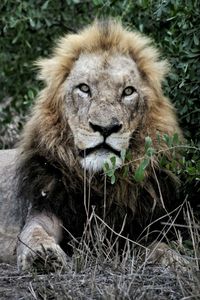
x: 33, y: 26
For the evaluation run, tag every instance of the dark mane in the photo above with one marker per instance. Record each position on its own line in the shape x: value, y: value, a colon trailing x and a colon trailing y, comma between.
x: 49, y: 176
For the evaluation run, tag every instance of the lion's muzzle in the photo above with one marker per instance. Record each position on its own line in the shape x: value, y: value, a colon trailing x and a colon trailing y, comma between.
x: 101, y: 147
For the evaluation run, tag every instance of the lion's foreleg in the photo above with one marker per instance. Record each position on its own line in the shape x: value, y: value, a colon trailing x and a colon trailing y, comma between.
x: 162, y: 254
x: 38, y: 244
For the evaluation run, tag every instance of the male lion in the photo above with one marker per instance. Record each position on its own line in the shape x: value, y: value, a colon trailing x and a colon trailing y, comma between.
x: 102, y: 96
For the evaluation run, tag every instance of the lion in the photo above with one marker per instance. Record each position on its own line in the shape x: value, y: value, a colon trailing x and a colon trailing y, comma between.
x: 102, y: 96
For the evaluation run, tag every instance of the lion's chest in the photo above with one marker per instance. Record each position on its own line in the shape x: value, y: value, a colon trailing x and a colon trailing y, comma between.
x: 91, y: 214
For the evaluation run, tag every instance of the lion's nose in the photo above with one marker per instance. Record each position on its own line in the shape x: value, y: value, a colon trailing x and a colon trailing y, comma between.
x: 106, y: 130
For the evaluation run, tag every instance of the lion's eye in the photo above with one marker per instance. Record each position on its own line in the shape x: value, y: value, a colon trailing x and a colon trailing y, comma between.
x: 84, y: 88
x: 129, y: 90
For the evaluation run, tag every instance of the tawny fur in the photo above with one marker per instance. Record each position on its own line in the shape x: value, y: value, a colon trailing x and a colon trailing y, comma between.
x: 45, y: 131
x: 47, y: 116
x: 48, y: 161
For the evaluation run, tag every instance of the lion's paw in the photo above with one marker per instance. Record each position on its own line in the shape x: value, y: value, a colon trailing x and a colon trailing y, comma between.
x: 42, y: 258
x: 167, y: 257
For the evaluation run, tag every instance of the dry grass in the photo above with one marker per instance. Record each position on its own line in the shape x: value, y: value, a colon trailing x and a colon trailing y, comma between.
x: 101, y: 272
x: 99, y: 282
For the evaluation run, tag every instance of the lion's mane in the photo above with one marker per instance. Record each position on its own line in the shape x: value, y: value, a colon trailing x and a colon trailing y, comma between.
x: 49, y: 175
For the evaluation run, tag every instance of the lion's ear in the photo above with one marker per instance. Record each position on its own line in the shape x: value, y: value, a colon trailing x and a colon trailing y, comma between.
x: 156, y: 72
x: 51, y: 70
x: 147, y: 57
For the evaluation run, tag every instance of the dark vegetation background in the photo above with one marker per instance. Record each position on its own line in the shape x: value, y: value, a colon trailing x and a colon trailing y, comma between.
x: 29, y: 29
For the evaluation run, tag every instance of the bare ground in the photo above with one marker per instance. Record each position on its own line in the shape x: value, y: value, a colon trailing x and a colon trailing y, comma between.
x: 100, y: 282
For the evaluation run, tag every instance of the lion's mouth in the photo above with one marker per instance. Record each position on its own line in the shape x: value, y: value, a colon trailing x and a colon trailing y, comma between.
x: 101, y: 147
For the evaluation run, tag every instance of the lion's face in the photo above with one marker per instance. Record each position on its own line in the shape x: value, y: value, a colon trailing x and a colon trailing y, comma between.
x: 104, y: 105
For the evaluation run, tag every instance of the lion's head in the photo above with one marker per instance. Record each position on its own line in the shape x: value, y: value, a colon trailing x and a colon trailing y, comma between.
x: 105, y: 105
x: 103, y: 95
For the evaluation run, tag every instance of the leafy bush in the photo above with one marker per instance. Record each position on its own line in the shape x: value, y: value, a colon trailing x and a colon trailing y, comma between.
x: 30, y: 28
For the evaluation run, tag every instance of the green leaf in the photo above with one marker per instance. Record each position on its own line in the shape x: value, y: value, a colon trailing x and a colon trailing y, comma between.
x: 32, y: 22
x: 150, y: 151
x: 175, y: 139
x: 45, y: 5
x: 113, y: 161
x: 110, y: 173
x: 113, y: 179
x: 196, y: 40
x: 158, y: 138
x: 129, y: 156
x: 167, y: 140
x: 30, y: 94
x: 106, y: 167
x: 163, y: 161
x: 139, y: 173
x: 148, y: 142
x: 125, y: 171
x: 123, y: 154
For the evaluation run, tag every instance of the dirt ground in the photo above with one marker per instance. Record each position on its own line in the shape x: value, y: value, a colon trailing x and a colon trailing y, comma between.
x: 99, y: 283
